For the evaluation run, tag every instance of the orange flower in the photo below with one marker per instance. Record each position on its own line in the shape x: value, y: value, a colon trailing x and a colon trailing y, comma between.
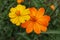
x: 19, y: 1
x: 52, y: 7
x: 38, y: 21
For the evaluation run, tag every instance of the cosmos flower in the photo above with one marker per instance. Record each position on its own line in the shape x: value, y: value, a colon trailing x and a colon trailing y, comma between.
x: 52, y: 7
x: 19, y: 1
x: 38, y: 21
x: 19, y: 14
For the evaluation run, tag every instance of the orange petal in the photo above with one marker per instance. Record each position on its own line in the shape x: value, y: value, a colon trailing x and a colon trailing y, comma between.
x: 29, y: 28
x: 44, y: 20
x: 37, y: 28
x: 33, y: 11
x: 43, y: 28
x: 24, y: 25
x: 47, y: 18
x: 41, y: 12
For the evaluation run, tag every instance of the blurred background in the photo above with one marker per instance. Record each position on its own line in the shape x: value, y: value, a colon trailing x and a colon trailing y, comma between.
x: 9, y: 31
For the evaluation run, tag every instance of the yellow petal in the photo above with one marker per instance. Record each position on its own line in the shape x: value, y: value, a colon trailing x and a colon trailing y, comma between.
x: 14, y: 20
x: 20, y: 7
x: 21, y: 19
x: 26, y: 17
x: 12, y: 15
x: 12, y: 10
x: 18, y: 23
x: 25, y: 12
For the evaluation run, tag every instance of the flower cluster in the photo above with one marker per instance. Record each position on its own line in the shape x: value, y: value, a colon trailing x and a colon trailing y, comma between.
x: 29, y: 18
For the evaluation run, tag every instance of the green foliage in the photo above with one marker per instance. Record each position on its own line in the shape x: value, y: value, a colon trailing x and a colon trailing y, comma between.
x: 9, y: 31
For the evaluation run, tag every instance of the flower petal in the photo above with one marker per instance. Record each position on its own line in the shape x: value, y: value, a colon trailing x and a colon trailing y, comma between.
x: 12, y: 15
x: 12, y: 10
x: 43, y: 28
x: 24, y: 25
x: 14, y: 20
x: 29, y: 28
x: 21, y: 19
x: 33, y: 12
x: 44, y: 20
x: 37, y: 28
x: 20, y: 7
x: 26, y: 17
x: 25, y: 12
x: 17, y: 22
x: 41, y: 11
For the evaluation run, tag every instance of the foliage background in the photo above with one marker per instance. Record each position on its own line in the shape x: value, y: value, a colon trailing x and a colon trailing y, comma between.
x: 9, y: 31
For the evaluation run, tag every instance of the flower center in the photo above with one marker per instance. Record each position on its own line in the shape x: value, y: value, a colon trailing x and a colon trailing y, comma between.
x: 33, y: 19
x: 18, y: 13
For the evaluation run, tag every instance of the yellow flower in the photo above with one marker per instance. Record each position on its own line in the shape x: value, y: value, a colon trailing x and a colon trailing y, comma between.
x: 19, y: 14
